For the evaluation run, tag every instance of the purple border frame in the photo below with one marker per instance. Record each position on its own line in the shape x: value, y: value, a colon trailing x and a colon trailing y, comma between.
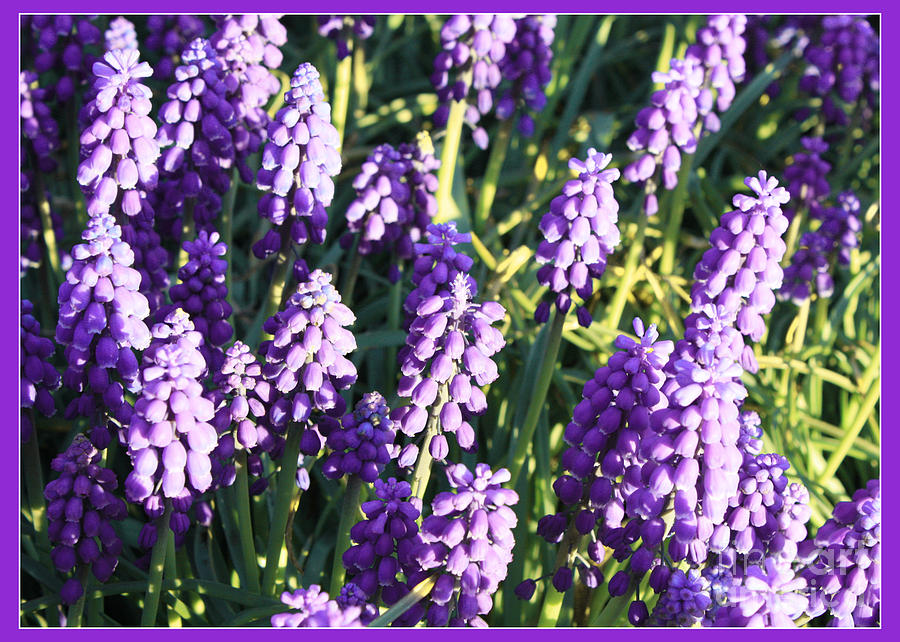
x: 9, y: 250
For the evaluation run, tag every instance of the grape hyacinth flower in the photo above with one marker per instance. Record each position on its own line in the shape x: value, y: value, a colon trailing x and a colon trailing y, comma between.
x: 203, y: 294
x: 342, y: 29
x: 580, y: 232
x: 120, y: 35
x: 741, y: 270
x: 771, y: 595
x: 118, y: 147
x: 843, y: 66
x: 101, y: 324
x: 63, y: 44
x: 394, y: 202
x: 351, y: 595
x: 604, y: 443
x: 248, y: 45
x: 768, y: 515
x: 195, y: 139
x: 468, y: 538
x: 168, y: 36
x: 720, y: 49
x: 81, y: 504
x: 363, y: 443
x: 298, y: 162
x: 527, y: 66
x: 312, y: 608
x: 37, y: 122
x: 242, y: 399
x: 750, y: 440
x: 306, y: 361
x: 473, y: 47
x: 807, y: 175
x: 38, y: 376
x: 169, y: 438
x: 450, y: 344
x: 383, y: 543
x: 684, y: 602
x: 843, y: 561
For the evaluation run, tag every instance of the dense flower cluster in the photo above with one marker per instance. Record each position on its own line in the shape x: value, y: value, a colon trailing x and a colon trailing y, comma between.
x: 843, y: 65
x: 39, y: 378
x: 741, y: 270
x: 298, y: 162
x: 120, y: 35
x: 312, y: 608
x: 169, y: 35
x: 101, y: 324
x: 684, y: 602
x: 580, y: 232
x: 363, y: 443
x: 150, y: 258
x: 38, y: 124
x: 62, y: 44
x: 671, y: 125
x: 450, y: 344
x: 468, y: 538
x: 306, y: 361
x: 527, y: 66
x: 383, y: 543
x: 81, y: 505
x: 394, y: 200
x: 342, y: 29
x: 203, y: 294
x: 843, y: 561
x: 473, y: 46
x: 169, y: 438
x: 770, y: 595
x: 248, y: 45
x: 118, y: 146
x: 196, y: 142
x: 807, y: 175
x: 352, y: 595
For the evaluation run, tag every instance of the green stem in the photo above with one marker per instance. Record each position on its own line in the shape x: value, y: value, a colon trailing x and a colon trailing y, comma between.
x: 342, y: 97
x: 72, y: 158
x: 539, y: 394
x: 245, y: 524
x: 422, y: 472
x: 793, y: 233
x: 499, y: 147
x: 157, y: 566
x: 553, y: 599
x: 73, y: 617
x: 449, y: 155
x: 676, y: 216
x: 352, y: 273
x: 48, y: 234
x: 187, y: 229
x: 284, y: 493
x: 227, y: 220
x: 617, y: 306
x: 279, y: 276
x: 171, y: 570
x: 349, y: 512
x: 360, y: 79
x: 34, y: 486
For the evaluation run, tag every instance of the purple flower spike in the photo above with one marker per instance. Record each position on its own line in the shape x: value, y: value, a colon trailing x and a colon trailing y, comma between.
x: 39, y: 378
x: 101, y: 324
x: 473, y: 48
x: 38, y: 125
x: 306, y: 360
x: 312, y: 608
x: 342, y: 30
x: 150, y: 258
x: 468, y: 542
x: 203, y: 294
x: 352, y: 595
x: 121, y: 35
x: 527, y: 66
x: 685, y: 601
x: 168, y: 36
x: 64, y: 43
x: 299, y: 160
x: 394, y: 201
x: 769, y: 596
x: 843, y: 561
x: 580, y: 232
x: 196, y: 140
x: 169, y: 437
x: 81, y: 505
x: 364, y: 443
x: 807, y: 175
x: 118, y: 146
x: 383, y: 543
x: 450, y: 343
